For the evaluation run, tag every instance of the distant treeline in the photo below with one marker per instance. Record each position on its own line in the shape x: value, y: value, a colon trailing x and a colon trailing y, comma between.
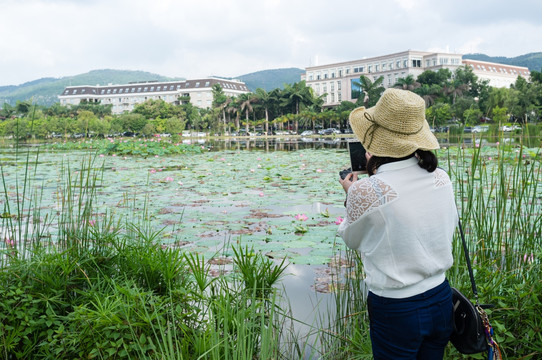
x: 458, y: 97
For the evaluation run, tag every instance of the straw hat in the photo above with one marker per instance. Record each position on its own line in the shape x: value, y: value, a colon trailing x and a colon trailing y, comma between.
x: 395, y: 126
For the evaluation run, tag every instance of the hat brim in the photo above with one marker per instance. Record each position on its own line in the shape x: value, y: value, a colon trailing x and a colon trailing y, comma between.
x: 383, y: 142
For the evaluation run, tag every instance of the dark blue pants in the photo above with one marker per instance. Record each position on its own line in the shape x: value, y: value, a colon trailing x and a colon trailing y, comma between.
x: 416, y: 327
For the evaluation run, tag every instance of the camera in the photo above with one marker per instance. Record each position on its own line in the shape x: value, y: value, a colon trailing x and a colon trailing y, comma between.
x: 345, y: 172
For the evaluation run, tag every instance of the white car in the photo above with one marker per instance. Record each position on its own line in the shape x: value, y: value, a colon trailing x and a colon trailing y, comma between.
x: 510, y: 128
x: 480, y: 129
x: 307, y: 133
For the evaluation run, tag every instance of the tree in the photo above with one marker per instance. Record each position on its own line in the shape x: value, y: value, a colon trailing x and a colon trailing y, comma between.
x: 174, y: 125
x: 265, y: 101
x: 438, y: 114
x: 372, y: 90
x: 84, y: 118
x: 297, y: 95
x: 429, y: 93
x: 7, y: 111
x: 245, y: 104
x: 407, y: 83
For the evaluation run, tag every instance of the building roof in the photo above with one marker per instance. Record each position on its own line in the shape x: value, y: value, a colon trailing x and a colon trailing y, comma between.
x: 154, y: 87
x: 489, y: 67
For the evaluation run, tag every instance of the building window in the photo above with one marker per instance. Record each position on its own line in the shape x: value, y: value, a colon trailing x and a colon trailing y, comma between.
x: 370, y: 68
x: 332, y: 87
x: 206, y: 84
x: 339, y: 85
x: 340, y: 73
x: 347, y: 71
x: 377, y: 68
x: 355, y: 89
x: 332, y: 75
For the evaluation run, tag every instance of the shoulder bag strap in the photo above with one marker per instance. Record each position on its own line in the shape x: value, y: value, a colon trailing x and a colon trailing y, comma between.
x: 467, y: 258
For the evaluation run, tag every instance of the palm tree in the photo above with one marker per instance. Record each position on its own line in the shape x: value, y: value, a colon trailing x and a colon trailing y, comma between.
x: 407, y: 83
x: 265, y: 100
x: 245, y: 104
x: 455, y: 89
x: 372, y: 90
x: 297, y: 95
x: 429, y: 93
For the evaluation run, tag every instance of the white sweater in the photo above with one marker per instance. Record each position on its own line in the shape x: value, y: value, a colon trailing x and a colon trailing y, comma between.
x: 402, y: 220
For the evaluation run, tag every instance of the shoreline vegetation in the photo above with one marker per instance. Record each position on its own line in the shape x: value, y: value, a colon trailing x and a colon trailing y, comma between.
x: 112, y: 290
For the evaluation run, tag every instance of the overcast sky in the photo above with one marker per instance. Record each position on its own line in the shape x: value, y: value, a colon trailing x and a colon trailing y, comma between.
x: 198, y: 38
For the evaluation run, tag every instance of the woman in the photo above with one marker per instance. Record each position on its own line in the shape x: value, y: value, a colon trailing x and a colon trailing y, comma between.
x: 402, y: 218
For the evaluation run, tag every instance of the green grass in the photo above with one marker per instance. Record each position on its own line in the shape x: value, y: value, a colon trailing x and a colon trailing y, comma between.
x: 499, y: 197
x: 84, y: 282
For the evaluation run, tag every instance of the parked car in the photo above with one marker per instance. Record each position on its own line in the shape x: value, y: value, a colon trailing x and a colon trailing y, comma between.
x: 442, y: 129
x: 480, y: 129
x: 510, y: 128
x: 467, y: 129
x: 307, y: 133
x: 329, y: 131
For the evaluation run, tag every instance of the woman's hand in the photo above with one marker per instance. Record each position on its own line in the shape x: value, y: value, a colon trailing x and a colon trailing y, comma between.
x: 348, y: 180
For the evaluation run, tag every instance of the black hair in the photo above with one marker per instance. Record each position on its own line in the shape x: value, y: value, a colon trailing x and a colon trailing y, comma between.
x: 426, y: 160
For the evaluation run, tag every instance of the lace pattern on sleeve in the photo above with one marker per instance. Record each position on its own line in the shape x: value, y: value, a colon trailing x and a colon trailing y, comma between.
x: 441, y: 178
x: 366, y: 196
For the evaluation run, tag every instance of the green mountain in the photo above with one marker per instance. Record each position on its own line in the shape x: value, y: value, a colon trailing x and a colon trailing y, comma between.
x: 45, y: 91
x: 532, y: 61
x: 271, y: 79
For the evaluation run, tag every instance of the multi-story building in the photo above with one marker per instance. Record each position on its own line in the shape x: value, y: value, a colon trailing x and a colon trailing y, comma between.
x: 125, y: 97
x: 338, y: 80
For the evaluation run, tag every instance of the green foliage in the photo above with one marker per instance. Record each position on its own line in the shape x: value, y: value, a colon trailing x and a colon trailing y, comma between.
x: 155, y: 146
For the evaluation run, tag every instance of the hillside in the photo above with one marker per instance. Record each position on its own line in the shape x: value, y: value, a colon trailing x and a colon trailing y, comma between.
x: 45, y: 91
x: 532, y: 61
x: 271, y: 79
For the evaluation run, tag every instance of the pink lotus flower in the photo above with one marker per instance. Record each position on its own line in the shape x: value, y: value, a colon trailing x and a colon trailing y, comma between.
x: 339, y: 220
x: 92, y: 222
x: 153, y: 171
x: 169, y: 179
x: 261, y: 194
x: 301, y: 217
x: 318, y: 170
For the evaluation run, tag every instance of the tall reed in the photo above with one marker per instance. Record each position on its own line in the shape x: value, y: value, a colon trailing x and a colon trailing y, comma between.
x: 499, y: 199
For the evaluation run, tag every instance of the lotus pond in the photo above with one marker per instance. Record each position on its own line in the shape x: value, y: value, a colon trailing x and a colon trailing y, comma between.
x: 282, y: 199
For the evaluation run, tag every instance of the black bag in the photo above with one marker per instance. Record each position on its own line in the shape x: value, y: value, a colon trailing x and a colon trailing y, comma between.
x: 472, y: 331
x: 469, y: 335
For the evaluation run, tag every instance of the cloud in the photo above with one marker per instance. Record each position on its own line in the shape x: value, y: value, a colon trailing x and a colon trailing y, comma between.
x: 55, y: 38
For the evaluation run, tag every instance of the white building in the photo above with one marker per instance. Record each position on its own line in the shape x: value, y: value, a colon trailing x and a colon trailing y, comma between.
x: 336, y: 80
x: 125, y: 97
